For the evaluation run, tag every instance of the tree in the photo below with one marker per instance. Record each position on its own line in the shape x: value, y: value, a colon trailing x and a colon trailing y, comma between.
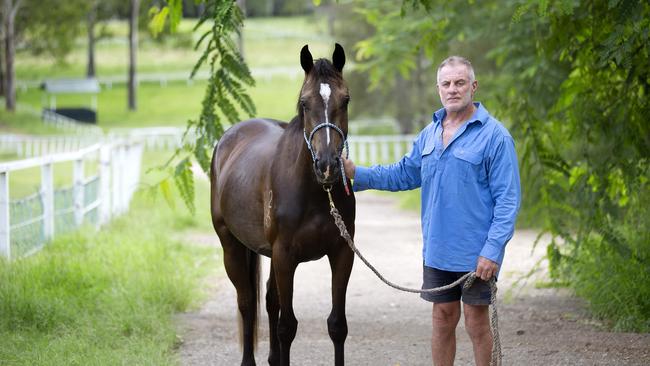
x: 133, y: 49
x: 9, y: 10
x: 97, y: 11
x: 571, y: 79
x: 39, y: 29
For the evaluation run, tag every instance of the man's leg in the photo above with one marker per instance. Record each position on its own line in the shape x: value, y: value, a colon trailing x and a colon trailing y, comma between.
x: 443, y: 342
x: 477, y: 324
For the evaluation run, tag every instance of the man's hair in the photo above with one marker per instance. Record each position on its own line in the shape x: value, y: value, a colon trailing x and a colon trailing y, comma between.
x: 454, y: 60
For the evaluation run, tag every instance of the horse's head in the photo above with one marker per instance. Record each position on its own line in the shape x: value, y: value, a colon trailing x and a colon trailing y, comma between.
x: 323, y: 108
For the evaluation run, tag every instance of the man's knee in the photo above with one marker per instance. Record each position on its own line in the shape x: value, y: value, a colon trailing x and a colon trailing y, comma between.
x: 446, y: 315
x: 477, y: 320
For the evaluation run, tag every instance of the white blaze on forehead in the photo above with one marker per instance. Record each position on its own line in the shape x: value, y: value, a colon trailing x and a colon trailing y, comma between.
x: 325, y: 93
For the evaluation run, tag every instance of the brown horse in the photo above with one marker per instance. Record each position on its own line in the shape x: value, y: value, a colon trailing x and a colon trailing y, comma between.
x: 268, y: 179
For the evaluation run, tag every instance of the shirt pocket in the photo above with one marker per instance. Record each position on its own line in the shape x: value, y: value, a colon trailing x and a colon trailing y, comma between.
x: 469, y: 164
x: 429, y: 162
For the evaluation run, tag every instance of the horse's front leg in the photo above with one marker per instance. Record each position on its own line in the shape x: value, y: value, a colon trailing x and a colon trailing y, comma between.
x: 285, y: 269
x: 273, y: 309
x: 341, y: 264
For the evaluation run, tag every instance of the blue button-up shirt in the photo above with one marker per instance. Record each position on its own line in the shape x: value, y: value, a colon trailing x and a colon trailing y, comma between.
x: 470, y: 189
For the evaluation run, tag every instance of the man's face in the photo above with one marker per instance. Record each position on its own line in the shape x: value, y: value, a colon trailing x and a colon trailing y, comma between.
x: 454, y: 87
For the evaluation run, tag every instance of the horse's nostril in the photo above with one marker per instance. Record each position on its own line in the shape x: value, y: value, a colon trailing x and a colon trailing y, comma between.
x: 322, y: 165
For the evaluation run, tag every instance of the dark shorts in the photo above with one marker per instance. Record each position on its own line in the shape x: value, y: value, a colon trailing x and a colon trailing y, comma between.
x: 478, y: 294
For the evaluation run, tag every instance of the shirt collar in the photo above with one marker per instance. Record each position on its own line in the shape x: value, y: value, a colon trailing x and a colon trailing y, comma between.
x: 480, y: 114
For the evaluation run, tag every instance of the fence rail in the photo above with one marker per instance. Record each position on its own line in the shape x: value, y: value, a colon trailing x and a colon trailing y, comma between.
x: 26, y: 224
x: 363, y: 149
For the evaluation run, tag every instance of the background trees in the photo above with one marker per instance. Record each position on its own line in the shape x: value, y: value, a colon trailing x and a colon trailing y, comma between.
x: 571, y: 80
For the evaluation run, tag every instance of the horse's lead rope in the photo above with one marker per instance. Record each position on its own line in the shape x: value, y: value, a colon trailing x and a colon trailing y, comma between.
x: 470, y: 277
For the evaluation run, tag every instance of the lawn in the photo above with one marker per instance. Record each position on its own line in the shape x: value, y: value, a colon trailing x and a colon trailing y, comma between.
x: 106, y: 297
x: 170, y: 105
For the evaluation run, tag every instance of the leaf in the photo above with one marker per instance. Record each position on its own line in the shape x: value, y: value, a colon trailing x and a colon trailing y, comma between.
x: 158, y: 17
x: 166, y: 190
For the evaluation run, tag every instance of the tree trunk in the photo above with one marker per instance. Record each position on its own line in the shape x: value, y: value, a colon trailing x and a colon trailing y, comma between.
x: 92, y: 14
x: 133, y: 48
x: 9, y: 14
x: 404, y: 104
x: 2, y: 69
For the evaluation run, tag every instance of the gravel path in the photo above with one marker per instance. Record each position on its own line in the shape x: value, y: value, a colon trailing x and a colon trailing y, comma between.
x: 387, y: 327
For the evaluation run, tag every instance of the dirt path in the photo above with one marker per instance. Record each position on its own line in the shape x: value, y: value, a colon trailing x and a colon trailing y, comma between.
x: 387, y: 327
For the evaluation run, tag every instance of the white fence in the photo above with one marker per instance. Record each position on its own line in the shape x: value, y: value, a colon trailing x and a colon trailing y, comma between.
x: 69, y: 124
x: 183, y: 76
x: 26, y: 146
x: 27, y: 224
x: 364, y: 150
x: 367, y: 150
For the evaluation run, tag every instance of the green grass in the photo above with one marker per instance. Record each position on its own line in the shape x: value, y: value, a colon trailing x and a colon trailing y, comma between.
x: 22, y: 122
x: 107, y: 297
x: 171, y: 105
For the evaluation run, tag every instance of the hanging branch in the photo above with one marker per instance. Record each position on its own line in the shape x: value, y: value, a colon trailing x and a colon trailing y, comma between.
x: 225, y: 95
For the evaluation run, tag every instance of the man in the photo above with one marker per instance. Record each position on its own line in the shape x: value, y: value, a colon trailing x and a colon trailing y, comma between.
x: 466, y: 165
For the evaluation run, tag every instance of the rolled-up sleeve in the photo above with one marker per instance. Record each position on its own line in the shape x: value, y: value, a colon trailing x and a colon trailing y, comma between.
x: 503, y: 179
x: 400, y: 176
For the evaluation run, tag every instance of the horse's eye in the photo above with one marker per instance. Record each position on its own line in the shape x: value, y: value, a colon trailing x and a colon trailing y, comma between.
x: 303, y: 104
x: 345, y: 102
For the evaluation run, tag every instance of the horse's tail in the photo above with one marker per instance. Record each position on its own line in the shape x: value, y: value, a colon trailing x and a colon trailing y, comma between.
x: 253, y: 263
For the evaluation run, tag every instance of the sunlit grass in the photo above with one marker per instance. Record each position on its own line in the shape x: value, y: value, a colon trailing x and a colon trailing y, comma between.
x: 172, y: 104
x: 106, y: 297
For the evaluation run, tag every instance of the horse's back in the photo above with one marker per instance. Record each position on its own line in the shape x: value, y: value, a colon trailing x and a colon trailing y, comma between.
x: 240, y: 167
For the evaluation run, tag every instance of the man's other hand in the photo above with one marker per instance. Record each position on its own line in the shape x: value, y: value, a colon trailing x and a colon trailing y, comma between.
x: 349, y: 167
x: 486, y: 269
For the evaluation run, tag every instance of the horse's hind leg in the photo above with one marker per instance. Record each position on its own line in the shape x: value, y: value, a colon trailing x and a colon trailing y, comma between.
x: 242, y: 267
x: 341, y: 265
x: 273, y: 310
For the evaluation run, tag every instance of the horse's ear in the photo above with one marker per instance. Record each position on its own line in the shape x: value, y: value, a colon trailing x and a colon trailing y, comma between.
x: 306, y: 61
x: 338, y: 58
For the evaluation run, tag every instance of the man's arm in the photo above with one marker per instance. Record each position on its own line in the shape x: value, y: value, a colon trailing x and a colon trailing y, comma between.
x: 503, y: 179
x: 400, y: 176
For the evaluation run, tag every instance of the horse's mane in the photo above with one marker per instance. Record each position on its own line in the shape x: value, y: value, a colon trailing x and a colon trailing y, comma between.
x: 323, y: 69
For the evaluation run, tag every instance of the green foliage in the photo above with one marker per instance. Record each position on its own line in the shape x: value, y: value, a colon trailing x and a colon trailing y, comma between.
x: 107, y: 297
x: 391, y: 63
x: 39, y: 28
x: 225, y: 93
x: 185, y: 182
x: 570, y: 78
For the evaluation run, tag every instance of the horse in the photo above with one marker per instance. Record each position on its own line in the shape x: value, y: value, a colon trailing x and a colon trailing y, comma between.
x: 268, y: 197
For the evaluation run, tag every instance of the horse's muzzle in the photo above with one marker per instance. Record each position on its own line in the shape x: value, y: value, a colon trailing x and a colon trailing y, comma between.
x: 328, y: 170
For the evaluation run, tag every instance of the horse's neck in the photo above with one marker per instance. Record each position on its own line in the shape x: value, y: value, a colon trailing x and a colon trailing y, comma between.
x: 295, y: 156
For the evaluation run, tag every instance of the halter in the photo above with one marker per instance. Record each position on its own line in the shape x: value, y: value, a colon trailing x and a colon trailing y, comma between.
x: 340, y: 150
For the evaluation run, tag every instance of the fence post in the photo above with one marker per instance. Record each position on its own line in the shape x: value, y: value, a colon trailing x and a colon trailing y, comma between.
x: 78, y: 191
x: 384, y: 151
x: 116, y: 163
x: 362, y: 152
x: 47, y: 196
x: 398, y: 150
x: 5, y: 229
x: 105, y: 183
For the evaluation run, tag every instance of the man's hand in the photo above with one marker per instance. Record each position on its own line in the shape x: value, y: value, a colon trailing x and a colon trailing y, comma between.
x: 349, y: 167
x: 486, y: 269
